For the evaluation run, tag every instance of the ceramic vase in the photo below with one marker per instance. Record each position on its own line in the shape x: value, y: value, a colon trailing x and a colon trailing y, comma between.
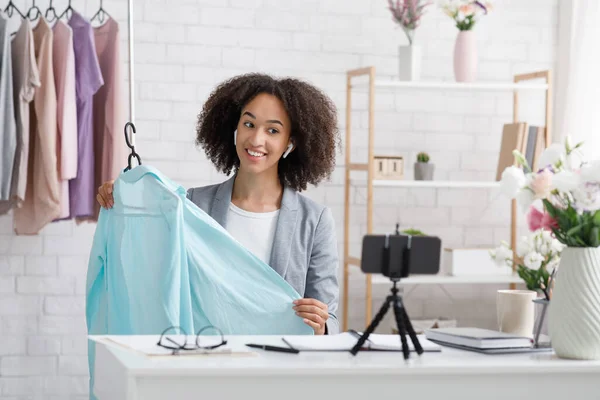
x: 574, y: 311
x: 409, y: 63
x: 465, y: 57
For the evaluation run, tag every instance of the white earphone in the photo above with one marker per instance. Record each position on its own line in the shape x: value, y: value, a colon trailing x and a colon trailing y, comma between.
x: 289, y: 149
x: 235, y: 137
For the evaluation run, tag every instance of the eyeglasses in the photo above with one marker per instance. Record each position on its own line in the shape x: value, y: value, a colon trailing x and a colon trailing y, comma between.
x: 175, y: 338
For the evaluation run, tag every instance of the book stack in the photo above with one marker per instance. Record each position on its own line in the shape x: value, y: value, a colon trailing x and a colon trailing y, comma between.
x: 529, y: 140
x: 482, y: 340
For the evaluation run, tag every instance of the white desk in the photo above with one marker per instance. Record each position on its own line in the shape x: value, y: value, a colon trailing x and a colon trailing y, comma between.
x: 450, y: 374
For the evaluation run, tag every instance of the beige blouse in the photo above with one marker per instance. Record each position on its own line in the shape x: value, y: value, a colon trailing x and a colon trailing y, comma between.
x: 42, y: 197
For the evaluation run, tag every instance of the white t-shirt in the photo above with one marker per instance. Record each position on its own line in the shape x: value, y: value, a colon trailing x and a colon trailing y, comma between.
x: 255, y: 231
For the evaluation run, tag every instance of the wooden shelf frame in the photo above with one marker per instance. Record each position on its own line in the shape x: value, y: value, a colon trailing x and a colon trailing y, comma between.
x: 371, y: 84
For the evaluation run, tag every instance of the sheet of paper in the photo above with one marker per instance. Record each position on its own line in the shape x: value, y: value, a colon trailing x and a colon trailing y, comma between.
x: 381, y: 341
x: 346, y: 341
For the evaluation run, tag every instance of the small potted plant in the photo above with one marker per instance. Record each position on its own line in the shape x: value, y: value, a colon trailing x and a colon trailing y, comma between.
x: 423, y: 169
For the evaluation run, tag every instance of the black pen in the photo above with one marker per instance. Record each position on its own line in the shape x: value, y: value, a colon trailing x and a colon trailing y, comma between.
x: 273, y: 348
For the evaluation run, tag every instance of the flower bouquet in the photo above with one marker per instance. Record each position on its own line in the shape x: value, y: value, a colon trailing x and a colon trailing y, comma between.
x: 408, y: 14
x: 538, y: 256
x: 465, y: 13
x: 565, y: 195
x: 568, y: 189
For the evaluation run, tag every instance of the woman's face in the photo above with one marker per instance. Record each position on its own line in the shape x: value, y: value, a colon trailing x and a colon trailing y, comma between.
x: 263, y: 134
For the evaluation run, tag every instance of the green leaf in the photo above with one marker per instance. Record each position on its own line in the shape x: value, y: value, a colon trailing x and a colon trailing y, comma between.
x: 574, y: 230
x: 596, y: 218
x: 549, y: 208
x: 580, y: 242
x: 529, y: 277
x: 595, y: 237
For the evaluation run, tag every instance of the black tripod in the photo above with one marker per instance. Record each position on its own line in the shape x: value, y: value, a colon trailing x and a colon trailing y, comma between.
x: 402, y: 322
x: 393, y: 266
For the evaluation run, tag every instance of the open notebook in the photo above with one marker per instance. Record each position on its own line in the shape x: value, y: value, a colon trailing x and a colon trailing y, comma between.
x: 345, y: 342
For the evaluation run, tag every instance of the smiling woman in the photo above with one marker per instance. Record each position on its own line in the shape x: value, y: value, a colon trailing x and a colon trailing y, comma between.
x: 282, y: 110
x: 277, y: 136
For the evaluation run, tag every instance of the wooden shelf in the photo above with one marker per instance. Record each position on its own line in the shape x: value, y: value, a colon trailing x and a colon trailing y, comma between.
x: 429, y: 184
x: 443, y: 279
x: 450, y: 280
x: 450, y: 85
x: 520, y: 82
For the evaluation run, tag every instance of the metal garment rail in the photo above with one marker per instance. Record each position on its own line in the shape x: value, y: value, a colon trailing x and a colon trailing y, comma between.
x: 131, y: 66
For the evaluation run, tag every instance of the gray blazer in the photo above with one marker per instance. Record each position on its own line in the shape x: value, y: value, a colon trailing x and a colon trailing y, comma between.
x: 304, y: 248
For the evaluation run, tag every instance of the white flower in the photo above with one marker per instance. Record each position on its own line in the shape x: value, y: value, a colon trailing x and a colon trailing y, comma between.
x: 512, y: 181
x: 525, y: 198
x: 557, y: 246
x: 590, y: 172
x: 565, y: 181
x: 501, y: 255
x: 524, y: 246
x: 551, y: 155
x: 587, y: 196
x: 568, y: 143
x: 553, y: 263
x: 546, y: 237
x: 533, y: 260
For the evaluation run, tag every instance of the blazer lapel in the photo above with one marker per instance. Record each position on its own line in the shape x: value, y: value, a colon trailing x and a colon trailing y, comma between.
x: 220, y: 205
x: 284, y: 232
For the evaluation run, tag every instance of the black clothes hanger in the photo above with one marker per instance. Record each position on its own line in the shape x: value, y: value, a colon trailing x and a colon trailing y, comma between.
x: 53, y: 10
x: 34, y: 8
x: 10, y: 8
x: 133, y: 153
x: 101, y: 14
x: 69, y: 8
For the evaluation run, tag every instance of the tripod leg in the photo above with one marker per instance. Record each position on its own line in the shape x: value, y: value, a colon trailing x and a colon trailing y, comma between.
x: 401, y: 330
x: 411, y: 332
x: 361, y: 341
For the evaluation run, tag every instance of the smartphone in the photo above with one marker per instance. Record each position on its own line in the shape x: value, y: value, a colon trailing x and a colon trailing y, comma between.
x: 408, y: 255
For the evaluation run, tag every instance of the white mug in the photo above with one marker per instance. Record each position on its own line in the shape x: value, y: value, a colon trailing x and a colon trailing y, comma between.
x: 516, y: 311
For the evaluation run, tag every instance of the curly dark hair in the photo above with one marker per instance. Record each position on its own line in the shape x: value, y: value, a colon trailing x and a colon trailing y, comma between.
x: 313, y: 119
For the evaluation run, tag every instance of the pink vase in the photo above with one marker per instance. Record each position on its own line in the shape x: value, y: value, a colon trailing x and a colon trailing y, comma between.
x: 465, y: 57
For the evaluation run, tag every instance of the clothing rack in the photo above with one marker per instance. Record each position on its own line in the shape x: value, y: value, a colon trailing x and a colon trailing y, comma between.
x: 11, y: 7
x: 131, y: 64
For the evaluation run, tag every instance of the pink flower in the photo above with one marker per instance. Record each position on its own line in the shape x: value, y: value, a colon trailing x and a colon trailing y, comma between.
x: 542, y: 184
x: 537, y: 219
x: 466, y: 9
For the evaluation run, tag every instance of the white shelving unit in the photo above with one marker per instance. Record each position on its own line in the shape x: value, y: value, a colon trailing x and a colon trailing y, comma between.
x: 449, y: 85
x: 450, y: 280
x: 520, y: 83
x: 429, y: 184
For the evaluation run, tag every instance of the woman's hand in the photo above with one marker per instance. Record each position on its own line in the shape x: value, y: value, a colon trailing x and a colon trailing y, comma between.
x: 105, y: 194
x: 314, y: 313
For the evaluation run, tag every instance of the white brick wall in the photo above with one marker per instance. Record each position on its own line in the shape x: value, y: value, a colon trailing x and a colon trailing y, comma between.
x: 183, y: 48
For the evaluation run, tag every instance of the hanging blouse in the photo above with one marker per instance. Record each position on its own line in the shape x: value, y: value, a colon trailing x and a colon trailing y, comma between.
x: 64, y: 78
x: 88, y: 79
x: 42, y: 197
x: 25, y: 79
x: 109, y: 143
x: 8, y: 130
